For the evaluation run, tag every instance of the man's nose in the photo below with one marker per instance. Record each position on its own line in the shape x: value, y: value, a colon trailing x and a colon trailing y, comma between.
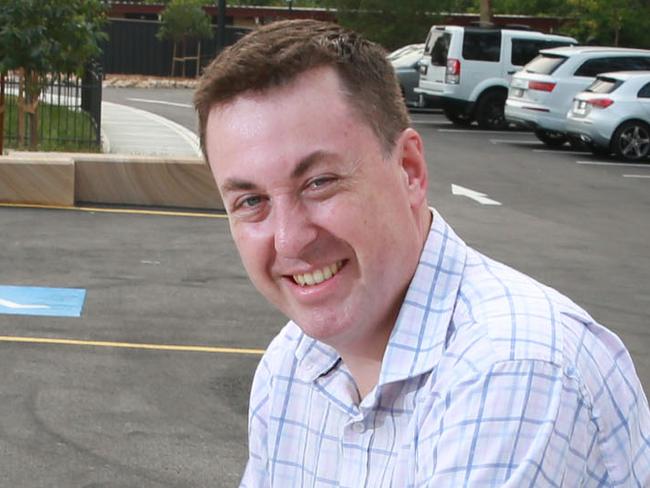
x: 294, y: 230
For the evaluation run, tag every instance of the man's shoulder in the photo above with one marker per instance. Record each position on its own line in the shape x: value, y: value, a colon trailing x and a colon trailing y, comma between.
x: 515, y: 316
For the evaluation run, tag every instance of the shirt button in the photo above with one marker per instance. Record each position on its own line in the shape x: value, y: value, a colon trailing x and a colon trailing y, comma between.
x: 358, y: 427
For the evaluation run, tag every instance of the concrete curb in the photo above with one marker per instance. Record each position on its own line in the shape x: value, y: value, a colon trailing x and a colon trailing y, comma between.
x: 109, y: 179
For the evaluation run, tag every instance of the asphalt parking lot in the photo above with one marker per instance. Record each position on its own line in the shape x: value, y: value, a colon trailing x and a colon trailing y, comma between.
x: 148, y: 386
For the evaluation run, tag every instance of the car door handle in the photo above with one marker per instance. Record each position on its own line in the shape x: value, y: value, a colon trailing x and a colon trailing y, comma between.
x: 512, y: 72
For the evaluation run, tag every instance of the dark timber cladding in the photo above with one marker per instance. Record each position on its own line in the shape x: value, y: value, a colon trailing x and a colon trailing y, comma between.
x: 248, y: 15
x: 133, y: 48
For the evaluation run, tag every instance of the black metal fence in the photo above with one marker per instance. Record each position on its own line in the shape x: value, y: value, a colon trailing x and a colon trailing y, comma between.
x: 69, y: 112
x: 133, y: 48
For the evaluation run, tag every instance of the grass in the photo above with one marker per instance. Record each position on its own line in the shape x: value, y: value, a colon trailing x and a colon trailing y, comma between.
x: 60, y: 128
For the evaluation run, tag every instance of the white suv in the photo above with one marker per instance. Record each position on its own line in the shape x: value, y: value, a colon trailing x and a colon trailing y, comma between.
x: 541, y: 94
x: 466, y: 70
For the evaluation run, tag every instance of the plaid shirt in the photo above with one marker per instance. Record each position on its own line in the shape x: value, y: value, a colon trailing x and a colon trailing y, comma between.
x: 489, y: 379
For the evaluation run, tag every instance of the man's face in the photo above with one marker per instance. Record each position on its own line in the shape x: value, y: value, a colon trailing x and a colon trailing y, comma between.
x: 324, y: 221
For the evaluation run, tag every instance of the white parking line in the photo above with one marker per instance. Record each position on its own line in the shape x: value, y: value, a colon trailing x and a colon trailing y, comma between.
x: 636, y: 176
x: 621, y: 165
x: 562, y: 151
x: 161, y: 102
x: 479, y: 131
x: 513, y: 141
x: 431, y: 122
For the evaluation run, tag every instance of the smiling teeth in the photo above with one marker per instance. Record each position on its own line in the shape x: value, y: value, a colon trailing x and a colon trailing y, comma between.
x: 318, y: 276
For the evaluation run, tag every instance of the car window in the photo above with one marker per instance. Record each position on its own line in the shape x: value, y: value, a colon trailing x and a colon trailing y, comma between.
x: 633, y: 63
x: 524, y: 50
x: 645, y: 91
x: 433, y: 36
x: 545, y: 64
x: 440, y: 49
x: 604, y: 85
x: 594, y: 67
x: 482, y: 45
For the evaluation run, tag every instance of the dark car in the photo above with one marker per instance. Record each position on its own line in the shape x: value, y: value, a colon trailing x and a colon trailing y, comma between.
x: 406, y: 62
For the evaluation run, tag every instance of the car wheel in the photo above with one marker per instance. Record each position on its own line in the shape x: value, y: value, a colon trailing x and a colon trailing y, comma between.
x: 631, y: 141
x: 551, y: 138
x: 457, y: 117
x: 490, y: 111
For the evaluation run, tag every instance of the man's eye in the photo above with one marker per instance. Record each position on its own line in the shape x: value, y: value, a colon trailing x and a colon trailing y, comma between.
x: 251, y: 201
x: 320, y: 182
x: 248, y: 203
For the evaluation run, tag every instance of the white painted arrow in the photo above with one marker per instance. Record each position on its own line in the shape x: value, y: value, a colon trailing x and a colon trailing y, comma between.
x: 473, y: 194
x: 14, y: 305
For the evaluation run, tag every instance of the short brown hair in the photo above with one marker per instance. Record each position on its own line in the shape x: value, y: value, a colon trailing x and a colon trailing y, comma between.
x: 277, y: 53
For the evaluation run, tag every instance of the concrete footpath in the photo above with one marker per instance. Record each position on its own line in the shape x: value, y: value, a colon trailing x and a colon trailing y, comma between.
x: 131, y: 131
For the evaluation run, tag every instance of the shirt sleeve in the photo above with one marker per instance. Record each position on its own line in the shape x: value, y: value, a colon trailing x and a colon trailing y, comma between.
x: 521, y: 424
x: 256, y: 474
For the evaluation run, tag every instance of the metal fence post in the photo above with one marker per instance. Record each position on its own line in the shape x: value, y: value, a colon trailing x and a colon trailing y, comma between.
x: 97, y: 102
x: 2, y: 112
x: 221, y: 23
x: 91, y: 96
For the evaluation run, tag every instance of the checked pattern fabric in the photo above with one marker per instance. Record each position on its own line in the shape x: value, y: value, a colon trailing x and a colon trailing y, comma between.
x: 490, y: 379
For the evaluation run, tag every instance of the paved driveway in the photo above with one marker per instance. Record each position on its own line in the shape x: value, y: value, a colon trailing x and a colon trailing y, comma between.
x: 120, y: 397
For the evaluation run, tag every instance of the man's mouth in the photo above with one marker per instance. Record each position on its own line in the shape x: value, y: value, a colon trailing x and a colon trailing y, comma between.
x: 319, y: 275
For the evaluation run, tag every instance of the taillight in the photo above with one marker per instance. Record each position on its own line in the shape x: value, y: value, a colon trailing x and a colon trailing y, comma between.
x: 452, y: 75
x: 545, y: 86
x: 600, y: 102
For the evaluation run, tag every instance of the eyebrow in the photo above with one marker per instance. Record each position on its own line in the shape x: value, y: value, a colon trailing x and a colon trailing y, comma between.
x: 305, y: 164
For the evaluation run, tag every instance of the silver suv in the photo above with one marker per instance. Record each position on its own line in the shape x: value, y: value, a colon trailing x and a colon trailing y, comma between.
x: 541, y: 94
x: 466, y: 70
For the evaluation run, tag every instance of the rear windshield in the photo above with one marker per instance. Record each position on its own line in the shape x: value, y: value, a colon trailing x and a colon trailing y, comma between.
x: 545, y: 64
x: 438, y: 46
x: 604, y: 85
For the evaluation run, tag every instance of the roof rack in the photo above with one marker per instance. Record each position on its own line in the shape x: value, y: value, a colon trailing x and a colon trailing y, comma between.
x: 523, y: 27
x: 479, y: 25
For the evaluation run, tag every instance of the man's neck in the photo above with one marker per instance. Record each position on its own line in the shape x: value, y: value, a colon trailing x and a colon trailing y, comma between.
x: 364, y: 361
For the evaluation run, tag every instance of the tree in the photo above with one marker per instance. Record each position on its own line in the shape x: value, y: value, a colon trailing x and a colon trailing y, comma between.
x: 390, y: 23
x: 611, y: 22
x: 486, y: 12
x: 605, y: 22
x: 183, y: 20
x: 41, y: 37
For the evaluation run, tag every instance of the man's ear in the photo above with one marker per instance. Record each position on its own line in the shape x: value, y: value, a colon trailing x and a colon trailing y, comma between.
x: 413, y: 166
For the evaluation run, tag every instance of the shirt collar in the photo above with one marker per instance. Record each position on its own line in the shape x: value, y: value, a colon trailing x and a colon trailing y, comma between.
x: 418, y: 338
x: 421, y: 330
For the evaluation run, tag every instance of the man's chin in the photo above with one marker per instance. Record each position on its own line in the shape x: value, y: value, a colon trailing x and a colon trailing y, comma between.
x: 321, y: 329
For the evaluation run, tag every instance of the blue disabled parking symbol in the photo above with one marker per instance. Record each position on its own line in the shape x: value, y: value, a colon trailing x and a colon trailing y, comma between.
x: 50, y: 302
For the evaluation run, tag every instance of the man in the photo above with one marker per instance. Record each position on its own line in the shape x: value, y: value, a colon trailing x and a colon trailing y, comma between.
x: 410, y: 359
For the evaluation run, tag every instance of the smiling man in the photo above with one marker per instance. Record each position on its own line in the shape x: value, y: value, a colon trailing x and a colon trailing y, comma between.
x: 410, y: 359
